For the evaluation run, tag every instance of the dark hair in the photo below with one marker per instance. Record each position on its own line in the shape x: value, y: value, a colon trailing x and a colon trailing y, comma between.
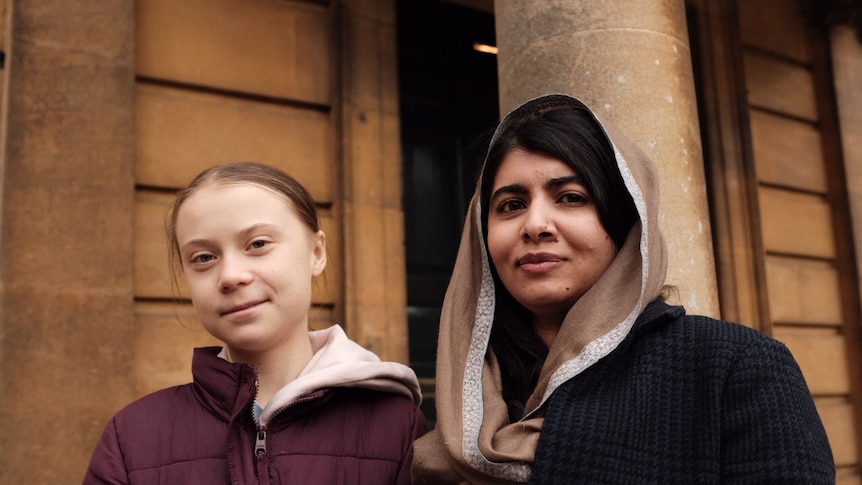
x: 238, y: 173
x: 564, y: 129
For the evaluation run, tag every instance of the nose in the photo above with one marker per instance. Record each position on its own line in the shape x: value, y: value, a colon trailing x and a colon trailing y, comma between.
x: 538, y: 223
x: 234, y: 273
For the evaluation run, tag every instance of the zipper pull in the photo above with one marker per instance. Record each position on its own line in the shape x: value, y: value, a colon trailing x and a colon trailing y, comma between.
x: 260, y: 443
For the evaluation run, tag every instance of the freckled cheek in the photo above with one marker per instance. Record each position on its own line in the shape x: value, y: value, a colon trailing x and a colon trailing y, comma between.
x: 202, y: 292
x: 202, y: 302
x: 194, y: 289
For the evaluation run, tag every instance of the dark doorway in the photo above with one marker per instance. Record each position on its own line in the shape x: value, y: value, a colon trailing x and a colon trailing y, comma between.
x: 449, y: 108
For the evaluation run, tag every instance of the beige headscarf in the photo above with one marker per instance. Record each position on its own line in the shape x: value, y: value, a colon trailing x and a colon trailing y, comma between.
x: 473, y: 441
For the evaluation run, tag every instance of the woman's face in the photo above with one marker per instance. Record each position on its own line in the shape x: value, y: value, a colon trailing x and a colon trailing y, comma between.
x: 248, y: 261
x: 544, y: 234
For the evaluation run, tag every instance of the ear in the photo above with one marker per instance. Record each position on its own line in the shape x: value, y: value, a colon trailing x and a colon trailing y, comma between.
x: 318, y: 253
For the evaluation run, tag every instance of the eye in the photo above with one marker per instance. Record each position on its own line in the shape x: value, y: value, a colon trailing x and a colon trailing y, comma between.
x: 202, y: 258
x: 258, y: 244
x: 573, y: 198
x: 511, y: 205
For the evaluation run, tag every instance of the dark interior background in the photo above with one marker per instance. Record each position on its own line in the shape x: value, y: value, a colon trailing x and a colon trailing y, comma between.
x: 449, y: 108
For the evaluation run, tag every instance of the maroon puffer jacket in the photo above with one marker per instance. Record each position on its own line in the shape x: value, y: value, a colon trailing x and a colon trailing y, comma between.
x: 204, y: 433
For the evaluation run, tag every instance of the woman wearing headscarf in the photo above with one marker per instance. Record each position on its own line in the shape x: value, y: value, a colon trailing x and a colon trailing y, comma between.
x: 558, y: 359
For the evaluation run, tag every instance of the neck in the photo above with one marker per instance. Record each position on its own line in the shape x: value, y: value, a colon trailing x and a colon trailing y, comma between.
x: 277, y: 367
x: 547, y: 327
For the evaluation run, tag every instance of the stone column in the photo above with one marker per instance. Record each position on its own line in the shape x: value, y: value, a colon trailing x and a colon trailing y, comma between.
x: 66, y: 252
x: 631, y: 62
x: 847, y: 70
x: 375, y: 293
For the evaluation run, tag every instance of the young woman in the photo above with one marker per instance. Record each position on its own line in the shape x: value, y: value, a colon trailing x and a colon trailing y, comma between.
x: 276, y: 403
x: 558, y: 360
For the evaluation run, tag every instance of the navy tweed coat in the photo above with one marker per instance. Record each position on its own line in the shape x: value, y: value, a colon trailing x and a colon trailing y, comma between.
x: 690, y: 400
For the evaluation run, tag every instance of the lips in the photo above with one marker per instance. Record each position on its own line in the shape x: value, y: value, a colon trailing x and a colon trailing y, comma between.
x: 538, y: 263
x: 241, y: 307
x: 537, y: 258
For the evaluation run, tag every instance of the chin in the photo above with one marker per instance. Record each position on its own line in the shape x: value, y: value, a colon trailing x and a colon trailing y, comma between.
x: 549, y: 305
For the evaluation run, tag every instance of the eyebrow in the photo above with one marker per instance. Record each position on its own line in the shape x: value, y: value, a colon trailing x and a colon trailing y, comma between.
x: 243, y: 233
x: 560, y: 181
x: 522, y: 189
x: 509, y: 189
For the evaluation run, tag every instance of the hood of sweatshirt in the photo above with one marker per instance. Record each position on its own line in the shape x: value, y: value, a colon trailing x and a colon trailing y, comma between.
x: 338, y: 361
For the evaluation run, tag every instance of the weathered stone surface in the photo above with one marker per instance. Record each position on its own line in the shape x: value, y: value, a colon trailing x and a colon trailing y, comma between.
x: 67, y: 221
x: 847, y: 67
x: 631, y: 62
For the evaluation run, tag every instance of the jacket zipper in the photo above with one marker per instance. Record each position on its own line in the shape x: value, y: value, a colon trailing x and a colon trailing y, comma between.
x: 260, y: 439
x: 260, y: 454
x: 260, y: 442
x: 260, y: 435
